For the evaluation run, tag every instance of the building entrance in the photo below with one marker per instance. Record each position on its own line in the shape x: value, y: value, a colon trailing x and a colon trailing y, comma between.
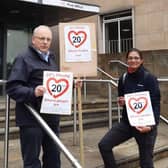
x: 12, y: 41
x: 19, y: 17
x: 17, y: 41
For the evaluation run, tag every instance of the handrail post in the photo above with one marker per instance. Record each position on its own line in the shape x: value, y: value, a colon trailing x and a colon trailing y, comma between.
x: 74, y: 118
x: 6, y: 141
x: 119, y: 112
x: 110, y: 107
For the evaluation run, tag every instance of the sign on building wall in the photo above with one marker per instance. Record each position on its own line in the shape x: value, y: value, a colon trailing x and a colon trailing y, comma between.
x: 78, y: 50
x: 67, y: 4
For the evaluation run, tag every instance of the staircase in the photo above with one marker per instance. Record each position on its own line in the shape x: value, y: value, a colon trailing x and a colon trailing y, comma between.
x: 95, y: 115
x: 94, y: 112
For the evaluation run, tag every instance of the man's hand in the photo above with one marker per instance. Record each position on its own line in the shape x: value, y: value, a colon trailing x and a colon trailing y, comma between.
x: 39, y: 90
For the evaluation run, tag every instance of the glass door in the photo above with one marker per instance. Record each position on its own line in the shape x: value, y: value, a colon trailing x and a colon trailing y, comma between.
x: 2, y: 86
x: 12, y: 41
x: 1, y: 52
x: 17, y: 41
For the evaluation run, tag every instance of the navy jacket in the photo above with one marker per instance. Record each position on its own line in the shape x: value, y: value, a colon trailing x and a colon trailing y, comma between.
x: 26, y: 74
x: 140, y: 81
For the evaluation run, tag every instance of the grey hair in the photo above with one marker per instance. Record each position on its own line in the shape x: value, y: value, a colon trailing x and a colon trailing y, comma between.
x: 41, y: 27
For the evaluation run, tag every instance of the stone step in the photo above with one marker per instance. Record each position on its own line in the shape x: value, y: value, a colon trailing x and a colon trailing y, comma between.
x: 87, y: 113
x: 94, y: 112
x: 134, y: 160
x: 11, y: 121
x: 160, y: 160
x: 85, y: 105
x: 66, y: 125
x: 126, y: 154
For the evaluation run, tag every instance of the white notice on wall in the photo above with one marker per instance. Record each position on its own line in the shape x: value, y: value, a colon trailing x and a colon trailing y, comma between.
x: 77, y: 43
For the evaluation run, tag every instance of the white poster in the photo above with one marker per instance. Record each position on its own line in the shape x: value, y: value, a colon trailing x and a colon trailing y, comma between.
x: 77, y: 43
x: 139, y: 109
x: 58, y: 96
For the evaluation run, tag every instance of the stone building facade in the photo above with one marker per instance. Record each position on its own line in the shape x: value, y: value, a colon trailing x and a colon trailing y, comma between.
x: 149, y: 34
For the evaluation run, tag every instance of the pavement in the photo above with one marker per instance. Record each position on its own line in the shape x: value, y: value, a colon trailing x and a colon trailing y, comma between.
x: 92, y: 158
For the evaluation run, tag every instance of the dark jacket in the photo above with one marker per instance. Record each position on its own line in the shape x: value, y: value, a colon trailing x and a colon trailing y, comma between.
x: 138, y: 81
x: 26, y: 74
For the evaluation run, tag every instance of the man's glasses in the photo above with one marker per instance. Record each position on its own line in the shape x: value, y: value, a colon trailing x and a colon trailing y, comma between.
x: 43, y: 38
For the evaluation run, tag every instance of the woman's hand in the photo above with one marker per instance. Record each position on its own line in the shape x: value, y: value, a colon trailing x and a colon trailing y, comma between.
x: 144, y: 129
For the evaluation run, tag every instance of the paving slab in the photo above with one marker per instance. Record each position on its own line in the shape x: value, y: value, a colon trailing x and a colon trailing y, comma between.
x: 92, y: 158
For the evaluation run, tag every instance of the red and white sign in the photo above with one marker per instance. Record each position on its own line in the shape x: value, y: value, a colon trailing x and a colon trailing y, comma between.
x: 58, y: 95
x: 77, y: 43
x: 139, y: 109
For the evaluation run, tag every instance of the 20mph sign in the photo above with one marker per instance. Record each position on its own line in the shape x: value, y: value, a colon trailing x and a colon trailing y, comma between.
x: 58, y: 95
x: 139, y: 109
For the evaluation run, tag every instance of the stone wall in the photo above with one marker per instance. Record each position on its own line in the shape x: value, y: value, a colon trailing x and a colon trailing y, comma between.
x: 155, y: 61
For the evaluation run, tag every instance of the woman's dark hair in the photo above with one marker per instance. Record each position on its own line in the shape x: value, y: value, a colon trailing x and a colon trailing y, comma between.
x: 136, y: 50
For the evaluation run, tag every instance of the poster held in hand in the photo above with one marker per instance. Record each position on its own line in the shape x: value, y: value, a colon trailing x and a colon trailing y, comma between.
x: 58, y: 96
x: 139, y: 109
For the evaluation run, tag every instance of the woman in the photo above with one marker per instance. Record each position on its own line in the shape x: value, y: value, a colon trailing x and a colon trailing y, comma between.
x: 136, y: 79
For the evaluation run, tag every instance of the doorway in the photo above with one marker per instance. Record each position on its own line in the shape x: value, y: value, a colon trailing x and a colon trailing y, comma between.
x: 17, y: 41
x: 12, y: 41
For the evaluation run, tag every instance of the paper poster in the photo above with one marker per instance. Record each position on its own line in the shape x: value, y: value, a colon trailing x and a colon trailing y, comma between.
x: 77, y: 43
x: 139, y: 109
x: 78, y: 49
x: 58, y: 96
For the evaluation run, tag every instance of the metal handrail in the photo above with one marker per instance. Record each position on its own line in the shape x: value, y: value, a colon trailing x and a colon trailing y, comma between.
x: 53, y: 136
x: 43, y: 124
x: 110, y: 83
x: 113, y: 80
x: 162, y: 79
x: 6, y: 142
x: 164, y: 119
x: 119, y: 61
x: 105, y: 73
x: 2, y: 82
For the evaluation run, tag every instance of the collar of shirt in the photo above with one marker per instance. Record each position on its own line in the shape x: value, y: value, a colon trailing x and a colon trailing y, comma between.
x: 44, y: 56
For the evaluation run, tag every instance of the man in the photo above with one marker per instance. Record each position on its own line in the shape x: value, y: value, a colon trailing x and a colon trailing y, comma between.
x: 25, y: 86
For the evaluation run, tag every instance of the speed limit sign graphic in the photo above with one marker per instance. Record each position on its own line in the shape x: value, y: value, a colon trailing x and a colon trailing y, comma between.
x: 77, y: 38
x: 56, y: 87
x: 58, y: 96
x: 138, y: 105
x: 139, y: 109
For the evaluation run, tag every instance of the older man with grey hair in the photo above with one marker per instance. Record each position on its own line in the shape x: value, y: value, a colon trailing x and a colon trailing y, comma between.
x: 24, y: 85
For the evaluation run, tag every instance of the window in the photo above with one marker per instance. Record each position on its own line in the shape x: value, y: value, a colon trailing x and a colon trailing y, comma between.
x: 117, y: 28
x: 17, y: 40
